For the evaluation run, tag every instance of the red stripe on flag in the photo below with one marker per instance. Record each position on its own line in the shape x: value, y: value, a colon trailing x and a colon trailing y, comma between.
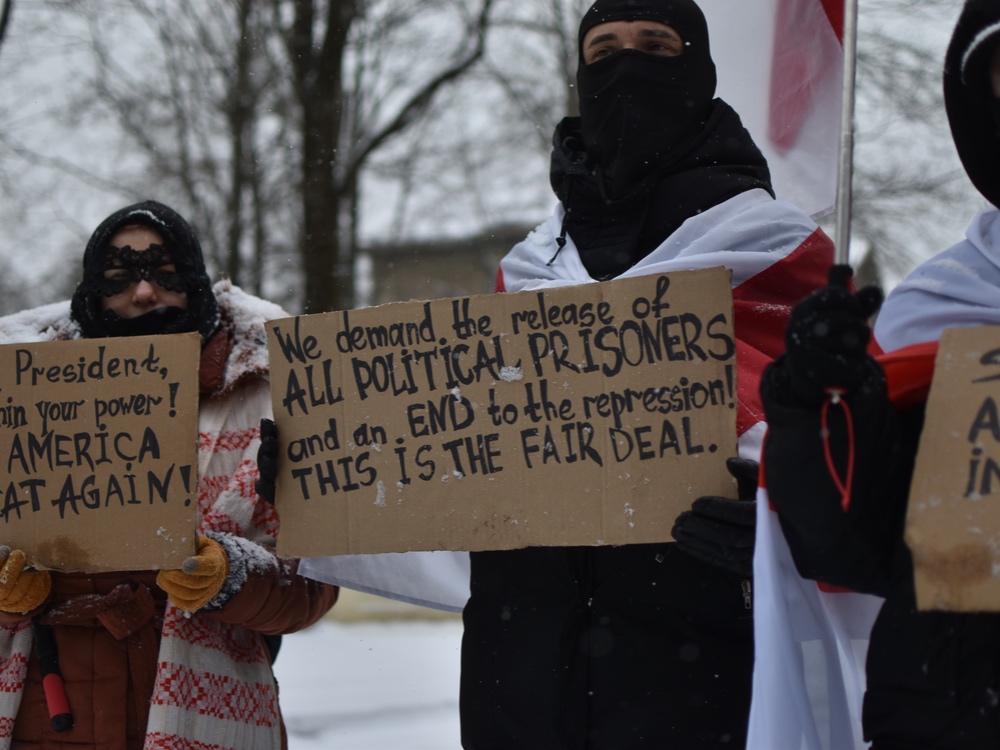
x: 761, y: 305
x: 835, y: 12
x: 909, y: 372
x: 799, y: 63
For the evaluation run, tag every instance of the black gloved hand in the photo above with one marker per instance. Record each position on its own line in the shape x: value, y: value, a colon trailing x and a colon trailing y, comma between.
x: 720, y: 531
x: 826, y: 341
x: 267, y: 460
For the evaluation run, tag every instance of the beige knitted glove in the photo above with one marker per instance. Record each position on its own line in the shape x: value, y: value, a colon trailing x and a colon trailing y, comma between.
x: 22, y: 590
x: 201, y: 577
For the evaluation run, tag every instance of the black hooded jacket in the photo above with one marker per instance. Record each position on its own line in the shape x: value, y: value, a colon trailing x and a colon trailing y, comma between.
x: 613, y: 235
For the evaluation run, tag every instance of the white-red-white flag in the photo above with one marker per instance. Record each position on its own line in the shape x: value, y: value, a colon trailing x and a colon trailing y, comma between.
x: 780, y: 65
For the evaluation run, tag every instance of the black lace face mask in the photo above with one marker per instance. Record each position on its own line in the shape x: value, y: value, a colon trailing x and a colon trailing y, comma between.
x: 121, y: 267
x: 175, y: 264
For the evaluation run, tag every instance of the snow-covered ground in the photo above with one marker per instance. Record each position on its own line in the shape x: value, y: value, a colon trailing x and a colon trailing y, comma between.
x: 372, y: 685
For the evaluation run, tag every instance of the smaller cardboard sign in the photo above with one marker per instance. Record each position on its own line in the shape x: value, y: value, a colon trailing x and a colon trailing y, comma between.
x: 99, y: 443
x: 582, y: 415
x: 953, y: 518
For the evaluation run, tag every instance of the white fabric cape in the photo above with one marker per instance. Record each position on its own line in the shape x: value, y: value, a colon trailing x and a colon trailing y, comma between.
x: 959, y: 287
x: 810, y: 647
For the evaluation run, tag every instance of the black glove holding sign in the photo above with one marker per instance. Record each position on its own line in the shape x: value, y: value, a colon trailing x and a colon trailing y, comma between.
x: 267, y: 468
x: 267, y: 460
x: 721, y: 531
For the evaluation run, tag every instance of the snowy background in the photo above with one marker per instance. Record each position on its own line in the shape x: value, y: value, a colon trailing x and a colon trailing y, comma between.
x: 356, y: 683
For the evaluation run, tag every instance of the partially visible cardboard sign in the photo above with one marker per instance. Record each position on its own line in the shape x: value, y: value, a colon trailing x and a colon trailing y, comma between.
x: 583, y: 415
x: 953, y: 519
x: 99, y: 443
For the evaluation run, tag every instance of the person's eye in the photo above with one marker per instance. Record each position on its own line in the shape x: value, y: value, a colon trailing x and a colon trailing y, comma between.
x: 663, y: 48
x: 117, y: 274
x: 169, y: 278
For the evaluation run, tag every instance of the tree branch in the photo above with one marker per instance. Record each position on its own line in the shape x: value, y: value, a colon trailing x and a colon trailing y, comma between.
x: 8, y: 7
x: 422, y: 98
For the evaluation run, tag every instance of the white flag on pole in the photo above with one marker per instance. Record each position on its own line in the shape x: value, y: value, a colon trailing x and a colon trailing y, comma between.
x: 780, y: 66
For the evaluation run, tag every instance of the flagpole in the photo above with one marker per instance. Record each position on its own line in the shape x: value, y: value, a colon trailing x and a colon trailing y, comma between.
x: 842, y: 236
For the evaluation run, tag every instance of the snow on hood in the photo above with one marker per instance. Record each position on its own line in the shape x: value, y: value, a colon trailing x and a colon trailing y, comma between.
x: 246, y: 316
x: 47, y: 323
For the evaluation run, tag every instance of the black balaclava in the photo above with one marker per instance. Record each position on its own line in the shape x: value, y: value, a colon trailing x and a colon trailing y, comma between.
x: 637, y: 110
x: 184, y: 250
x: 973, y: 110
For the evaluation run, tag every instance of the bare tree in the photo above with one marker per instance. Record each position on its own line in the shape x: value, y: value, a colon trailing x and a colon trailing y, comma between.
x: 282, y: 127
x: 343, y: 125
x: 189, y: 90
x: 260, y: 117
x: 5, y: 11
x: 911, y: 196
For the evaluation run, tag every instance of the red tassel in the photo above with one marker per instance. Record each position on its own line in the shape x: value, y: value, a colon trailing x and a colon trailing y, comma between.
x: 52, y: 681
x: 835, y: 397
x: 55, y: 699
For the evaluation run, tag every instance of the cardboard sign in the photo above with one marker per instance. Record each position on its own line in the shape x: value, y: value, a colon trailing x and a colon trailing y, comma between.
x: 583, y: 415
x: 953, y: 518
x: 99, y: 446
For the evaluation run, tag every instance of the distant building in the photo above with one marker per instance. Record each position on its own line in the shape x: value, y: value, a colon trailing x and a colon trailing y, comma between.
x: 434, y: 269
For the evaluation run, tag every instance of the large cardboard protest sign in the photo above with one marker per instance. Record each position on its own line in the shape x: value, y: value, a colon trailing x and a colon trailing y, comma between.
x: 581, y: 415
x: 953, y: 519
x: 99, y: 441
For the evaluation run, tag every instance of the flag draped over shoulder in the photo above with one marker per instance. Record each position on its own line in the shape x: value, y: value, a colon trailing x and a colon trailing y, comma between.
x: 776, y: 255
x: 780, y: 65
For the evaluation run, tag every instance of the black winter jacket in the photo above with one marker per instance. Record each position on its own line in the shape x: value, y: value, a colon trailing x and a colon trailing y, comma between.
x: 640, y: 646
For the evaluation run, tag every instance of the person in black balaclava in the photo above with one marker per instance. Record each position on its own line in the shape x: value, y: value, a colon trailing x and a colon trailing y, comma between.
x: 652, y: 146
x: 932, y: 677
x: 650, y: 645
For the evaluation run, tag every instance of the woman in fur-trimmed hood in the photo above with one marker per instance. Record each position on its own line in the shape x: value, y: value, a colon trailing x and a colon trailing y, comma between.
x: 164, y: 660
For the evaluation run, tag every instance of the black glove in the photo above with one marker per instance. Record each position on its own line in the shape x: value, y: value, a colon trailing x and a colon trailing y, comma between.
x: 267, y: 460
x: 720, y: 531
x: 826, y: 341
